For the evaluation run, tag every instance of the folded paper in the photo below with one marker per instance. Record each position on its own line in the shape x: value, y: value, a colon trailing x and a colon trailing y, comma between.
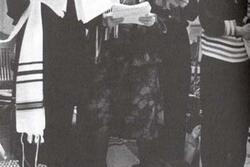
x: 130, y: 13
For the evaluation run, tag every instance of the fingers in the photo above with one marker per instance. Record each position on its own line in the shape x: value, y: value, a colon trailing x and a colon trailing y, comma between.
x: 246, y: 32
x: 184, y: 3
x: 117, y: 21
x: 246, y: 37
x: 148, y: 20
x: 112, y: 22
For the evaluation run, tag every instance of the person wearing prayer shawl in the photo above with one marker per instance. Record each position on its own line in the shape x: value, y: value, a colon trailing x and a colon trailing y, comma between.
x: 68, y: 68
x: 224, y: 83
x: 69, y: 72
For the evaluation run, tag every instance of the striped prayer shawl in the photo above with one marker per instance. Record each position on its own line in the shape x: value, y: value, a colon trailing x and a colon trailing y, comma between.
x: 227, y: 47
x: 30, y: 112
x: 29, y: 79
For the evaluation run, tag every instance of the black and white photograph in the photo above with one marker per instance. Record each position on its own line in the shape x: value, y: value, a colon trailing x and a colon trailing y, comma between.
x: 124, y: 83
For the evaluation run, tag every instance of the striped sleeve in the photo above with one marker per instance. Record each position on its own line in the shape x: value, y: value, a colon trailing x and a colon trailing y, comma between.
x: 225, y: 48
x: 230, y: 27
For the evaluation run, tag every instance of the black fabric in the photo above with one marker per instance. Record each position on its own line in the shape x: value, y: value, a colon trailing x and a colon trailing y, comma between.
x: 225, y: 104
x: 16, y: 8
x: 69, y: 82
x: 213, y: 13
x: 174, y: 49
x: 149, y: 159
x: 68, y: 75
x: 174, y: 82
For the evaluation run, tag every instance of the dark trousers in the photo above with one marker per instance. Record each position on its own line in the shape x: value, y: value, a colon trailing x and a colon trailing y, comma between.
x: 69, y: 75
x: 225, y: 104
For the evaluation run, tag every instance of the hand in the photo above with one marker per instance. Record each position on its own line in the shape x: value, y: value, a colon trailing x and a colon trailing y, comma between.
x: 183, y: 3
x: 148, y: 20
x: 176, y: 3
x: 196, y: 131
x: 243, y: 31
x: 112, y: 22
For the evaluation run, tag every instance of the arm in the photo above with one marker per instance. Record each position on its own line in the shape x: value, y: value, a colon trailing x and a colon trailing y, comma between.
x: 190, y: 12
x: 16, y: 8
x: 213, y: 21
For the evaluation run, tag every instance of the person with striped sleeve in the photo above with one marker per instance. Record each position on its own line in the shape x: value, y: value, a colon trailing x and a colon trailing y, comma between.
x: 224, y: 82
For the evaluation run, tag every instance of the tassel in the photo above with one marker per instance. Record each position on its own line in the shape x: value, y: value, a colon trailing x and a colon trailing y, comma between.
x: 96, y: 44
x: 37, y: 138
x: 2, y: 152
x: 23, y: 151
x: 74, y: 117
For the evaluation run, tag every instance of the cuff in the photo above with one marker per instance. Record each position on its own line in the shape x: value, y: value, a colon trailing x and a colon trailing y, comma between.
x: 230, y: 27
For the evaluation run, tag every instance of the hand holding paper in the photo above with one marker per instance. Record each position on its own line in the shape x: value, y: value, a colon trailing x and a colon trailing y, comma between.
x: 148, y: 20
x: 172, y: 3
x: 120, y: 13
x: 133, y: 14
x: 110, y: 22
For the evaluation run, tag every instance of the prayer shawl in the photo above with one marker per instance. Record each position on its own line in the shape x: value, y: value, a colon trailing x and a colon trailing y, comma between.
x: 30, y: 113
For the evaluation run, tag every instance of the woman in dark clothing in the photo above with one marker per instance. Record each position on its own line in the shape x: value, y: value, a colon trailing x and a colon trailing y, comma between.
x: 68, y: 75
x: 224, y: 83
x: 169, y: 39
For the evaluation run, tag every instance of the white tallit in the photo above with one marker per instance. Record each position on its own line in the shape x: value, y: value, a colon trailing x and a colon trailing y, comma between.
x: 30, y: 113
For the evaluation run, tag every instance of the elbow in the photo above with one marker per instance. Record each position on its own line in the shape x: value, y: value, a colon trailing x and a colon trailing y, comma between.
x: 213, y: 32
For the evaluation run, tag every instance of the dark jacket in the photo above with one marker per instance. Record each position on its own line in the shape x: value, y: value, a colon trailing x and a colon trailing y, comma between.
x: 177, y: 15
x: 16, y: 8
x: 213, y: 13
x: 65, y: 48
x: 168, y: 33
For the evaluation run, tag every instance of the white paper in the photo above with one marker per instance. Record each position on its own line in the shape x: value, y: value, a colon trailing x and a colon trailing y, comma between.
x: 130, y: 13
x: 87, y: 10
x: 121, y: 10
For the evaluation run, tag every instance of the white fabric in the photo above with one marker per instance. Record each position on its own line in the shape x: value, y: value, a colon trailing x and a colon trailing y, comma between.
x: 32, y: 121
x: 30, y: 67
